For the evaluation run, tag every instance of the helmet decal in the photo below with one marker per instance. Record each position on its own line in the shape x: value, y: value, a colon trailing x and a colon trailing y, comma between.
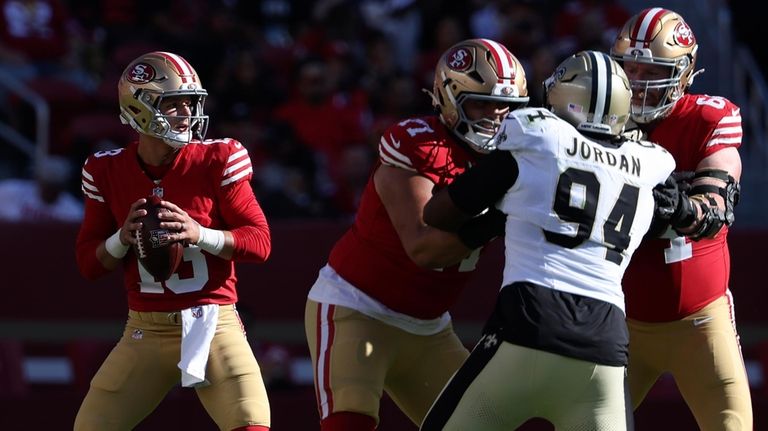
x: 683, y: 35
x: 141, y: 73
x: 459, y: 59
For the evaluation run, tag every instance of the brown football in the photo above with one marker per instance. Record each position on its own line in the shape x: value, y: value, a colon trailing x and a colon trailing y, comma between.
x: 156, y: 252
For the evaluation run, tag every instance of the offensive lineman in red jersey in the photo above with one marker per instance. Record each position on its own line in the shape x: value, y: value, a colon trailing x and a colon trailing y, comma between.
x: 679, y: 307
x: 185, y: 329
x: 377, y: 316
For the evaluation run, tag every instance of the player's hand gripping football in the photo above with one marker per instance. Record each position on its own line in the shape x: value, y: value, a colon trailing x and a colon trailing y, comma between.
x: 186, y: 229
x: 132, y: 223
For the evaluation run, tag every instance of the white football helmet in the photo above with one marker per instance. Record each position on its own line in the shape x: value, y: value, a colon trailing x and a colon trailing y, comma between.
x: 477, y: 69
x: 590, y: 91
x: 660, y: 37
x: 146, y: 82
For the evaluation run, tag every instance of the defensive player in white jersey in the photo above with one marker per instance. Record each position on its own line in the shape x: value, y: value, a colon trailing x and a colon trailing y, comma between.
x: 578, y: 199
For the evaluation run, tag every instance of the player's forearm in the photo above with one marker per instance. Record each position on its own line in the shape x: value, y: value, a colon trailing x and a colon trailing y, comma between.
x: 437, y: 249
x: 249, y: 244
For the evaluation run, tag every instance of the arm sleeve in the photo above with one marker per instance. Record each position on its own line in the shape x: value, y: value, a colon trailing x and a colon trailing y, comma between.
x: 247, y: 223
x: 482, y: 186
x: 97, y: 226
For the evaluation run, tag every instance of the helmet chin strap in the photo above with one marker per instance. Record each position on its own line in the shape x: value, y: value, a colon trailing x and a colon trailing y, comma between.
x: 177, y: 140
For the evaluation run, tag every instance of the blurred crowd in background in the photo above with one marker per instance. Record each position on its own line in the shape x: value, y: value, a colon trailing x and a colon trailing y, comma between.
x: 307, y: 85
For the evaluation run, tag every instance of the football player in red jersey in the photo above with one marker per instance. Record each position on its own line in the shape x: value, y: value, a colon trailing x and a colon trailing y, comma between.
x: 184, y: 329
x: 377, y: 316
x: 679, y: 306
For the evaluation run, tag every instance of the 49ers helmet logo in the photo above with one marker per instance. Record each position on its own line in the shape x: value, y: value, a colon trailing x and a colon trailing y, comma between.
x: 459, y: 59
x: 141, y: 73
x: 684, y: 35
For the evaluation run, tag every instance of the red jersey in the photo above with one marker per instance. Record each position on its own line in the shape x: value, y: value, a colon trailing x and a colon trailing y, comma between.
x: 670, y: 279
x: 210, y: 181
x: 370, y: 255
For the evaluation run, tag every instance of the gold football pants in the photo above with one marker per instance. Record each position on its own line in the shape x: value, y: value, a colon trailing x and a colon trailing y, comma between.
x: 355, y: 358
x: 703, y: 354
x: 142, y: 368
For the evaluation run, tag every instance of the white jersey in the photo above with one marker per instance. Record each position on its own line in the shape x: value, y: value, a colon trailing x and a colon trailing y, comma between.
x: 579, y: 208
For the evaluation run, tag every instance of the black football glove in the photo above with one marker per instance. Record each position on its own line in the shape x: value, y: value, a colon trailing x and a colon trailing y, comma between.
x: 667, y: 197
x: 684, y: 180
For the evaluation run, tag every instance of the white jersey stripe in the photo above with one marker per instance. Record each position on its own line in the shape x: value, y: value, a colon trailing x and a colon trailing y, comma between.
x: 90, y: 187
x: 385, y: 148
x: 727, y: 131
x: 392, y: 162
x: 237, y: 176
x: 87, y: 175
x: 236, y: 166
x: 237, y: 155
x: 724, y: 141
x: 93, y: 196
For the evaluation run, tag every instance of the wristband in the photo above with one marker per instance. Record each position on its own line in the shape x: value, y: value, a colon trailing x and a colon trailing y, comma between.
x: 115, y: 247
x: 211, y: 240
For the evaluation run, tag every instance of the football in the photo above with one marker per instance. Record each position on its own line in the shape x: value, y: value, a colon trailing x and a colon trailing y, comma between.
x: 156, y: 252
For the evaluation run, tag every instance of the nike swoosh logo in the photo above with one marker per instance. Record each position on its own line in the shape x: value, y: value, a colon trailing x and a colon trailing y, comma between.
x: 395, y: 142
x: 701, y: 320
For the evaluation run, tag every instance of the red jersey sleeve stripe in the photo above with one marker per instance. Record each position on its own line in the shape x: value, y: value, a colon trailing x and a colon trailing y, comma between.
x: 89, y: 188
x: 238, y: 166
x: 728, y: 131
x: 390, y: 156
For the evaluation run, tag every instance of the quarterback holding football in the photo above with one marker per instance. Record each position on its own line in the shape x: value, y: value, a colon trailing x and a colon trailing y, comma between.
x: 182, y: 324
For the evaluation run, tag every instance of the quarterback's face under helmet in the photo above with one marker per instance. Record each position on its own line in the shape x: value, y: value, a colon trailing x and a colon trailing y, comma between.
x: 590, y: 91
x: 143, y: 92
x: 478, y: 70
x: 661, y: 38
